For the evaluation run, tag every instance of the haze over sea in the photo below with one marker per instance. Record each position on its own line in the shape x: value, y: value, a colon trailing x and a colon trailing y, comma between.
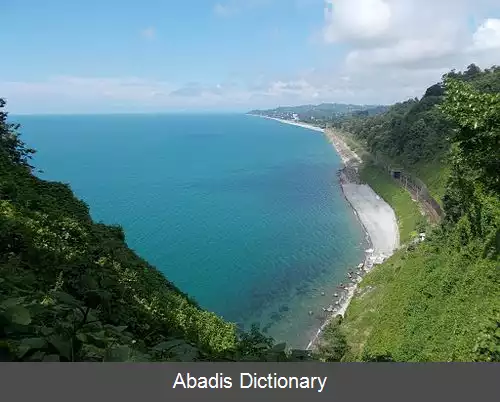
x: 242, y: 213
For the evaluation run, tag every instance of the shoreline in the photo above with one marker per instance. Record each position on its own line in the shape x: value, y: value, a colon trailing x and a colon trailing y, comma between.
x: 292, y: 123
x: 376, y: 217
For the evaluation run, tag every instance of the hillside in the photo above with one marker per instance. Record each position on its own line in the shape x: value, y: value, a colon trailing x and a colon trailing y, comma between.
x: 438, y: 300
x: 320, y: 113
x: 71, y: 289
x: 415, y: 134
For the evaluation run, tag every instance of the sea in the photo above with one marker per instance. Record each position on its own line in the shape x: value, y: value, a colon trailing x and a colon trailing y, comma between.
x: 244, y: 214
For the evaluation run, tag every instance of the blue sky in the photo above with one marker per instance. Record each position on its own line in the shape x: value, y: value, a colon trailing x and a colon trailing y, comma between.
x: 152, y: 55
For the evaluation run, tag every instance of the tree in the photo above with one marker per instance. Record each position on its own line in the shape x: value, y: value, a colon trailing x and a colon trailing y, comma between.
x: 435, y: 90
x: 477, y: 139
x: 471, y: 72
x: 12, y: 149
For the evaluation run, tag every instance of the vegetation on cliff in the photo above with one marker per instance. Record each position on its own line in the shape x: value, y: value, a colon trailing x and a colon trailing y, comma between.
x: 440, y: 300
x: 416, y: 134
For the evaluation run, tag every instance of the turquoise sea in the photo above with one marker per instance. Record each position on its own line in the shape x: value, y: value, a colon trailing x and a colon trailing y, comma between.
x: 244, y: 214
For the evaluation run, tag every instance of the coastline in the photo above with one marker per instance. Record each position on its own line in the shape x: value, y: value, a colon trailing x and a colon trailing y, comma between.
x: 376, y: 217
x: 293, y: 123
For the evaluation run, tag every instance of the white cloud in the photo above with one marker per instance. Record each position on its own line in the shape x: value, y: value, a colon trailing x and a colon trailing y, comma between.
x: 356, y: 20
x: 487, y: 35
x: 399, y: 47
x: 149, y: 33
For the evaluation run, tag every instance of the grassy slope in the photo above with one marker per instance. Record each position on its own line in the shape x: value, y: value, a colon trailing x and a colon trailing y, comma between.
x: 407, y: 211
x: 434, y: 175
x: 430, y: 304
x: 419, y: 305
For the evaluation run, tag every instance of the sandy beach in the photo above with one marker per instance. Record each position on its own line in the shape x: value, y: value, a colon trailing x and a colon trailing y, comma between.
x: 375, y: 215
x: 293, y: 123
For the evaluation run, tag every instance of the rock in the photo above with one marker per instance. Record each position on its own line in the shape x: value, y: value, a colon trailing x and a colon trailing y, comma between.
x: 310, y: 312
x: 276, y: 316
x: 322, y: 293
x: 283, y: 308
x: 336, y: 295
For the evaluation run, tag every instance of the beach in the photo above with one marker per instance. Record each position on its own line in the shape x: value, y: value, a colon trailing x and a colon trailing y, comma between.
x: 374, y: 214
x: 293, y: 123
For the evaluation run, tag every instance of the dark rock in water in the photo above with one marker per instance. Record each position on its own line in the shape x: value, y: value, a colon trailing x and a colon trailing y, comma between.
x: 283, y: 308
x: 311, y: 313
x: 276, y: 316
x: 301, y: 290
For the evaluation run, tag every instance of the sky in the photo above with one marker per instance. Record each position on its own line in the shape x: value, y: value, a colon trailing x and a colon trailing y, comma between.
x: 114, y: 56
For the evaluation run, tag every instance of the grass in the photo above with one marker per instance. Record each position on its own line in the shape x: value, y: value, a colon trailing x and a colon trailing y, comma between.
x: 429, y: 304
x: 407, y: 211
x: 434, y: 175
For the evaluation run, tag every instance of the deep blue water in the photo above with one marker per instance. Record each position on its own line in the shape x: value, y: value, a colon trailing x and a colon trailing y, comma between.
x: 244, y: 214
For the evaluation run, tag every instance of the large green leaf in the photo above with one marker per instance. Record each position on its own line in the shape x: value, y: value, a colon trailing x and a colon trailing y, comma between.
x: 12, y: 302
x: 63, y: 346
x: 34, y: 343
x: 66, y: 298
x: 19, y: 315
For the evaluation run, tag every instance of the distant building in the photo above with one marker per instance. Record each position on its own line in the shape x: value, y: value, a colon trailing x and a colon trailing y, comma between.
x: 295, y: 116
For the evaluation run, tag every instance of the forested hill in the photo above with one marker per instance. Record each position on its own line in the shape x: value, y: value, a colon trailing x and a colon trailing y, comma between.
x: 71, y: 289
x: 319, y: 113
x: 415, y: 134
x: 438, y: 300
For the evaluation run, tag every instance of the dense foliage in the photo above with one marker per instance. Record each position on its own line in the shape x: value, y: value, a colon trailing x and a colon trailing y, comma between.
x: 71, y: 289
x: 440, y: 300
x: 416, y: 134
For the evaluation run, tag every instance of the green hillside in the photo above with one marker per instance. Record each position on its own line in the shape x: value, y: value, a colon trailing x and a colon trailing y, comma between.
x: 438, y: 300
x: 320, y: 114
